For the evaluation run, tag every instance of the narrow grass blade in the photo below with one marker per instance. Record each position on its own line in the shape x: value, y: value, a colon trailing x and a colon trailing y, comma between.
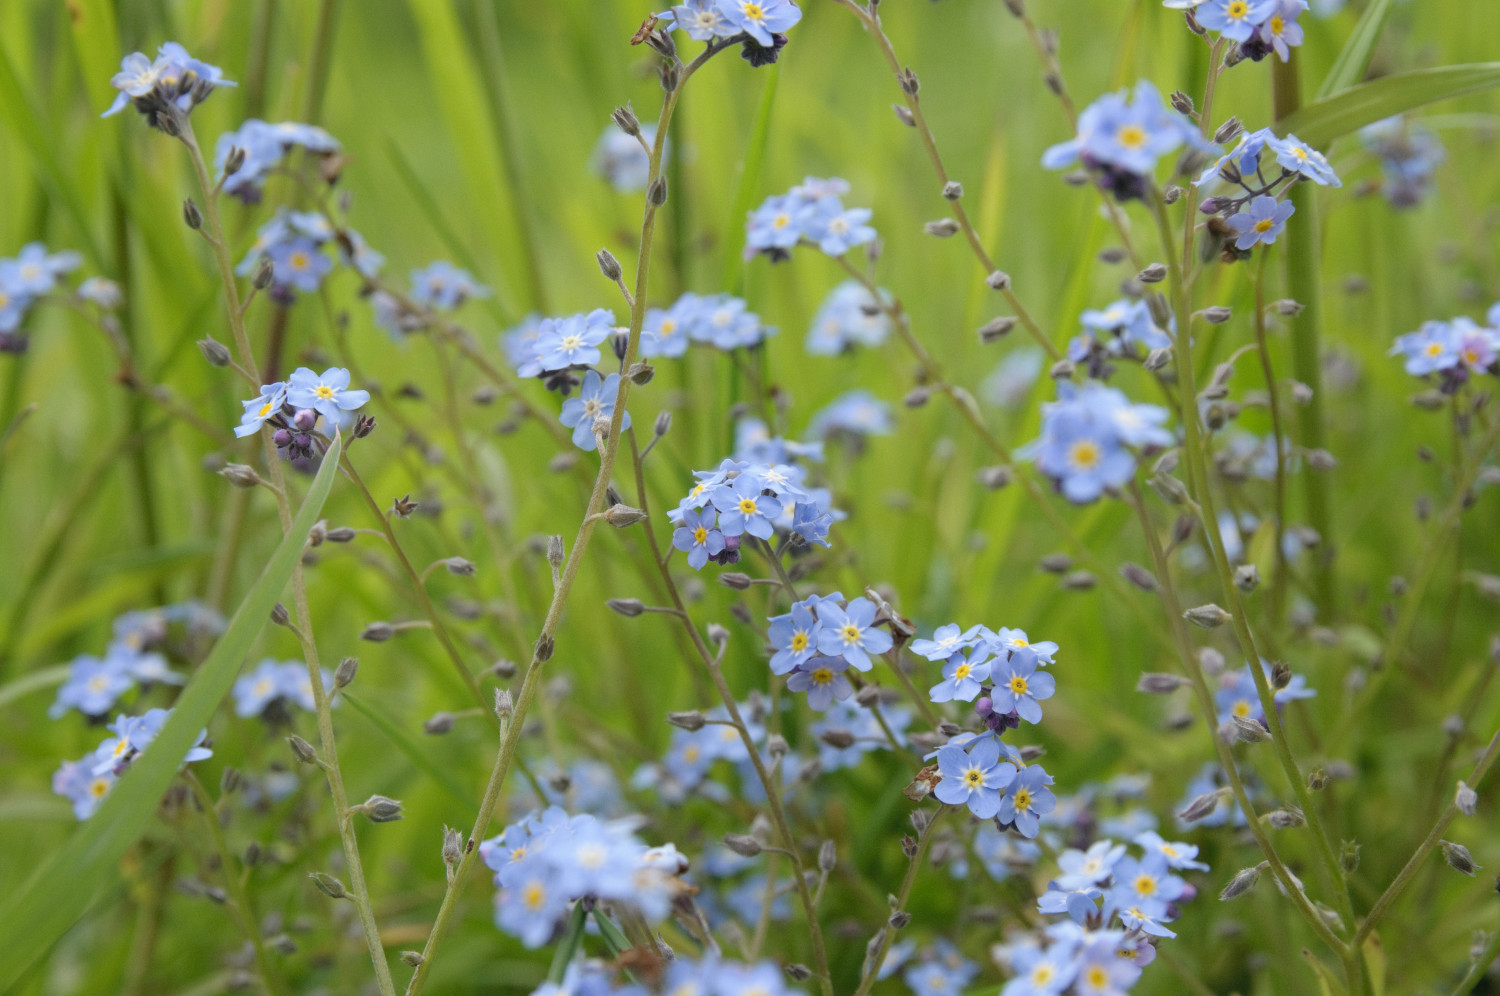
x: 746, y: 194
x: 1329, y: 118
x: 58, y: 894
x: 1349, y: 68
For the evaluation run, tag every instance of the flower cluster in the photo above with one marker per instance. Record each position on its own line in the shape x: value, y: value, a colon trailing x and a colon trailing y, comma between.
x: 87, y: 781
x: 719, y: 320
x: 134, y: 657
x: 1409, y: 157
x: 268, y: 690
x: 622, y: 159
x: 555, y: 348
x: 1089, y: 438
x: 1260, y: 26
x: 1121, y: 137
x: 293, y: 241
x: 743, y: 498
x: 852, y: 415
x: 1452, y: 351
x: 166, y: 89
x: 811, y: 213
x: 821, y: 638
x: 294, y: 407
x: 709, y: 976
x: 759, y: 25
x: 548, y: 860
x: 262, y: 146
x: 33, y: 273
x: 1121, y: 330
x: 1257, y: 217
x: 850, y: 316
x: 1115, y: 904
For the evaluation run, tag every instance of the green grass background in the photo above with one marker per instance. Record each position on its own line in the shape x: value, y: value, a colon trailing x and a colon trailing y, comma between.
x: 469, y: 128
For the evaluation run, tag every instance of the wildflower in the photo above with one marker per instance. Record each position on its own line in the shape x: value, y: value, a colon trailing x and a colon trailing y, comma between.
x: 938, y: 978
x: 1296, y: 156
x: 963, y: 677
x: 101, y: 292
x: 1245, y: 156
x: 327, y: 394
x: 1432, y: 348
x: 776, y: 226
x: 76, y: 782
x: 596, y: 400
x: 1019, y: 686
x: 856, y: 413
x: 1028, y: 799
x: 975, y: 778
x: 822, y: 678
x: 93, y: 686
x: 1178, y: 856
x: 261, y: 408
x: 1084, y: 435
x: 1041, y: 973
x: 744, y: 509
x: 621, y: 160
x: 726, y: 323
x: 837, y: 229
x: 1235, y: 19
x: 299, y: 265
x: 1128, y: 323
x: 1120, y: 140
x: 520, y: 343
x: 1279, y: 32
x: 264, y: 146
x: 1476, y: 346
x: 761, y: 18
x: 849, y: 316
x: 1409, y: 157
x: 173, y: 84
x: 851, y: 632
x: 697, y: 536
x: 1086, y: 868
x: 946, y: 641
x: 443, y: 286
x: 1102, y: 970
x: 865, y: 734
x: 275, y: 682
x: 1260, y: 222
x: 36, y: 271
x: 795, y: 637
x: 701, y: 19
x: 811, y: 521
x: 664, y: 332
x: 572, y: 341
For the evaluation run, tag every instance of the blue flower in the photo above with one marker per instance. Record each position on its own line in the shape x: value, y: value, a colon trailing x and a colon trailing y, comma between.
x: 856, y: 413
x: 1434, y: 347
x: 1280, y: 30
x: 1028, y: 799
x: 93, y: 686
x: 811, y: 520
x: 795, y: 637
x: 596, y: 400
x: 572, y: 341
x: 1019, y: 686
x: 174, y: 83
x: 1081, y: 453
x: 265, y: 146
x: 946, y: 641
x: 1078, y: 904
x: 1409, y: 157
x: 1102, y: 969
x: 622, y: 160
x: 934, y: 978
x: 1296, y: 156
x: 76, y: 782
x: 701, y: 19
x: 444, y: 287
x: 327, y: 394
x: 259, y: 409
x: 1041, y: 973
x: 1130, y: 322
x: 849, y: 316
x: 963, y: 677
x: 776, y: 224
x: 1085, y: 868
x: 861, y: 724
x: 298, y: 264
x: 1245, y: 156
x: 37, y: 271
x: 837, y: 229
x: 697, y: 536
x: 1176, y: 855
x: 665, y: 332
x: 760, y: 19
x: 975, y: 778
x: 14, y: 301
x: 1235, y: 19
x: 1121, y: 139
x: 743, y: 509
x: 851, y: 632
x: 822, y: 678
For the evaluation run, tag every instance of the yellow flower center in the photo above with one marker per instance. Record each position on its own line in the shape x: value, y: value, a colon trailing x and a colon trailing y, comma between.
x: 1277, y: 24
x: 98, y: 787
x: 962, y: 671
x: 747, y: 506
x: 851, y: 633
x: 1018, y: 685
x: 1238, y: 9
x: 690, y: 753
x: 265, y: 410
x: 534, y: 895
x: 822, y: 676
x: 700, y: 535
x: 572, y: 342
x: 1299, y: 153
x: 1023, y: 800
x: 1434, y: 349
x: 1019, y: 642
x: 4, y: 299
x: 754, y: 11
x: 781, y: 221
x: 1242, y: 709
x: 1264, y: 225
x: 799, y: 641
x: 668, y: 326
x: 1168, y: 850
x: 1145, y: 885
x: 1132, y: 136
x: 323, y: 391
x: 1042, y: 974
x: 1097, y: 977
x: 974, y: 778
x: 1084, y: 454
x: 298, y: 260
x: 263, y: 686
x: 31, y: 271
x: 98, y: 684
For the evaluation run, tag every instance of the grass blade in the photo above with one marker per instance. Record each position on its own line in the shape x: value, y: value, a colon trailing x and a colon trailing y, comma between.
x: 1349, y: 68
x: 59, y: 893
x: 1329, y: 118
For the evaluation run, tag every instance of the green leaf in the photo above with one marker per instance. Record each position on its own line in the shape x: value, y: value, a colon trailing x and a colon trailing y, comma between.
x: 47, y: 677
x: 1322, y: 121
x: 1375, y: 963
x: 1349, y: 68
x: 1328, y: 984
x: 747, y: 192
x: 408, y: 746
x: 44, y: 908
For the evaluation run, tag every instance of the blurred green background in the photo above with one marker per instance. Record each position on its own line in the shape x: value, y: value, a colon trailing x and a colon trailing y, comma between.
x: 469, y: 128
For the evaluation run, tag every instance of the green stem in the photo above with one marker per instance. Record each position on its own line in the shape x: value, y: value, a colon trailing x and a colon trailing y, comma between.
x: 245, y: 355
x: 1481, y: 965
x: 924, y: 842
x: 1281, y: 578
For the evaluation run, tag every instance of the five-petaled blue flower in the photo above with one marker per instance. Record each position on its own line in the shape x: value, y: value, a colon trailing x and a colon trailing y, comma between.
x: 257, y: 410
x: 697, y: 536
x: 795, y: 636
x: 595, y: 400
x: 852, y: 633
x: 761, y: 18
x: 1019, y: 686
x: 327, y: 394
x: 1027, y: 800
x: 822, y: 678
x: 743, y: 509
x: 1235, y: 19
x: 974, y: 778
x: 1260, y: 222
x: 963, y: 677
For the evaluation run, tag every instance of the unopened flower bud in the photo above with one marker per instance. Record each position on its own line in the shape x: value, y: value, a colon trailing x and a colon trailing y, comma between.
x: 917, y: 396
x: 1228, y: 131
x: 1202, y: 806
x: 505, y: 705
x: 776, y: 746
x: 717, y: 634
x: 836, y: 738
x: 798, y: 973
x: 1321, y: 460
x: 412, y: 958
x: 302, y: 750
x: 1181, y: 102
x: 1459, y: 858
x: 377, y: 632
x: 953, y: 190
x: 621, y: 516
x: 1061, y: 370
x: 625, y: 119
x: 344, y: 674
x: 997, y: 328
x: 608, y: 265
x: 1158, y: 359
x: 1281, y: 675
x: 1156, y: 683
x: 439, y: 724
x: 329, y: 886
x: 1138, y: 576
x: 735, y: 580
x: 381, y: 809
x: 1247, y: 577
x: 545, y: 645
x: 1349, y: 857
x: 1153, y: 274
x: 998, y: 280
x: 942, y: 228
x: 240, y: 475
x: 1242, y: 883
x: 904, y: 115
x: 1216, y: 315
x: 279, y: 615
x: 265, y: 273
x: 1251, y: 731
x: 690, y: 721
x: 555, y: 550
x: 1465, y: 799
x: 1208, y: 616
x: 627, y: 607
x: 656, y: 193
x: 216, y: 353
x: 1079, y: 581
x: 743, y: 844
